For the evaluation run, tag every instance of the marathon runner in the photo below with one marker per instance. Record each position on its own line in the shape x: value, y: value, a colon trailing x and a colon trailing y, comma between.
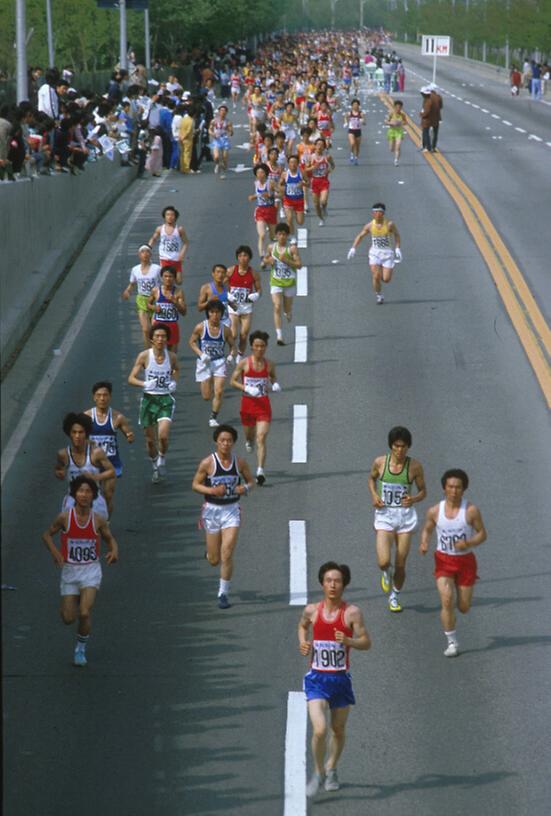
x: 106, y: 421
x: 167, y: 303
x: 321, y: 164
x: 216, y: 289
x: 222, y: 478
x: 173, y: 241
x: 144, y: 276
x: 382, y: 255
x: 389, y: 482
x: 81, y: 530
x: 161, y: 372
x: 265, y: 214
x: 292, y: 188
x: 80, y: 458
x: 254, y: 376
x: 284, y: 261
x: 354, y: 119
x: 208, y: 341
x: 459, y: 529
x: 396, y: 121
x: 336, y: 627
x: 245, y: 289
x: 220, y: 131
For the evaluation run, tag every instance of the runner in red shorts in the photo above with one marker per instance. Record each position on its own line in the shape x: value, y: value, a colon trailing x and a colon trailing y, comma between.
x: 292, y: 189
x: 321, y: 165
x: 167, y: 303
x: 459, y: 528
x: 265, y: 214
x: 254, y: 376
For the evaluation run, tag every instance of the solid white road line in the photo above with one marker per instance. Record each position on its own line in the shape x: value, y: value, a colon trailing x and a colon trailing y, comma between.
x: 302, y: 237
x: 300, y: 433
x: 302, y: 281
x: 298, y: 592
x: 37, y: 400
x: 301, y: 344
x: 295, y: 756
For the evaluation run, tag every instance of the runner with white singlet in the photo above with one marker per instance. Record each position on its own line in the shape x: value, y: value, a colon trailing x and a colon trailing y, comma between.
x: 144, y: 276
x: 173, y: 241
x: 385, y: 250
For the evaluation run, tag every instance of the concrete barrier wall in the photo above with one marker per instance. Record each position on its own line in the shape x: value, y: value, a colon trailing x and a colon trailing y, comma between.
x: 43, y: 225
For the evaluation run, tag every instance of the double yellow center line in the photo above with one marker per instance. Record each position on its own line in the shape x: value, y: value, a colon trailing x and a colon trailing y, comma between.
x: 526, y: 317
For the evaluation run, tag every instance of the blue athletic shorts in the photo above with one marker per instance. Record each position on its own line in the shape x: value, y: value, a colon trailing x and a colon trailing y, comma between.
x: 222, y: 143
x: 335, y: 687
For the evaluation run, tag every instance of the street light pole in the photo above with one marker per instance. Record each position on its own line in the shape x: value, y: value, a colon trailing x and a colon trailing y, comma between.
x: 123, y: 59
x: 51, y: 54
x: 333, y: 4
x: 362, y: 4
x: 147, y: 40
x: 21, y: 51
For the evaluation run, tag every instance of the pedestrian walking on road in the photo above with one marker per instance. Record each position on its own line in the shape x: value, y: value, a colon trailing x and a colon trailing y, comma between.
x: 79, y: 558
x: 222, y: 478
x: 335, y: 627
x: 459, y: 529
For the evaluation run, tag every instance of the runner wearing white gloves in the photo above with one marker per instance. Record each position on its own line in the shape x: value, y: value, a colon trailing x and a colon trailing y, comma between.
x: 385, y: 250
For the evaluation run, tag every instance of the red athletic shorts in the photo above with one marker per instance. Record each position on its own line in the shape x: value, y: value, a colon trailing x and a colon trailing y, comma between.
x: 319, y: 184
x: 255, y: 409
x: 176, y: 264
x: 462, y: 568
x: 296, y: 204
x: 266, y: 214
x: 173, y: 330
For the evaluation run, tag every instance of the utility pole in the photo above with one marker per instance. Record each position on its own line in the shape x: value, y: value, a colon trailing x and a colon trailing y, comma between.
x: 51, y: 53
x: 333, y: 4
x: 362, y: 4
x: 21, y: 51
x: 123, y: 59
x: 147, y: 39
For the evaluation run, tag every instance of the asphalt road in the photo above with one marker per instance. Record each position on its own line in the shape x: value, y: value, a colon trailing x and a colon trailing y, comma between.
x: 182, y: 709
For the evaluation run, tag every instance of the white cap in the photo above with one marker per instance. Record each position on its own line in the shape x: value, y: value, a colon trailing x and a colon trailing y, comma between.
x: 425, y: 90
x: 186, y: 95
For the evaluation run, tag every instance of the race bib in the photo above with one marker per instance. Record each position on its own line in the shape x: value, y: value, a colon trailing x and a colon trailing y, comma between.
x: 392, y: 494
x: 239, y: 294
x: 81, y: 551
x: 328, y: 655
x: 107, y: 443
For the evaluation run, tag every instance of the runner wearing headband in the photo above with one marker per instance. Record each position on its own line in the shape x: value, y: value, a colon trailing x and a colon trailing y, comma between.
x: 385, y: 249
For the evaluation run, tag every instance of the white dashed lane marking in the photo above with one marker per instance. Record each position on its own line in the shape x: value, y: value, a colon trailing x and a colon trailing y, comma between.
x: 300, y: 434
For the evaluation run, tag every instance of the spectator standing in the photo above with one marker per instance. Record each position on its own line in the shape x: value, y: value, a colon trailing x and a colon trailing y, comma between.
x: 185, y: 137
x: 436, y: 113
x: 427, y: 118
x: 48, y: 100
x: 154, y: 161
x: 516, y: 80
x: 165, y: 125
x: 401, y: 76
x: 536, y: 81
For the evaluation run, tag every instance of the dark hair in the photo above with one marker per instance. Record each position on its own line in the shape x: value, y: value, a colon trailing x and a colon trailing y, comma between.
x: 174, y: 210
x: 244, y: 248
x: 156, y: 326
x: 220, y: 266
x: 214, y: 305
x: 80, y: 480
x: 168, y: 268
x: 102, y: 384
x: 77, y: 419
x: 321, y: 139
x: 399, y: 102
x: 455, y: 473
x: 293, y: 156
x: 355, y: 100
x: 282, y: 227
x: 379, y: 206
x: 259, y: 335
x: 399, y: 433
x: 225, y: 429
x: 344, y: 570
x: 261, y: 166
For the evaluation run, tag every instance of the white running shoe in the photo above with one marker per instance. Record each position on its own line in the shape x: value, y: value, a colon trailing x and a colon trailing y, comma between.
x: 452, y: 649
x: 396, y: 162
x: 216, y: 169
x: 321, y: 222
x: 155, y: 474
x: 313, y: 785
x: 331, y: 780
x: 248, y: 446
x: 213, y: 423
x: 79, y: 658
x: 380, y: 299
x: 161, y: 466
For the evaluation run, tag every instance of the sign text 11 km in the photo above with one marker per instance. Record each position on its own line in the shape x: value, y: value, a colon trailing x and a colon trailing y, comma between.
x: 433, y: 46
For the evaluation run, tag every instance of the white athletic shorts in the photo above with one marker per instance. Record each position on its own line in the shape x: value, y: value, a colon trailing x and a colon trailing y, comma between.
x: 216, y: 517
x: 99, y: 505
x: 396, y: 519
x: 216, y: 368
x: 382, y: 257
x: 75, y: 577
x: 288, y: 291
x: 242, y: 309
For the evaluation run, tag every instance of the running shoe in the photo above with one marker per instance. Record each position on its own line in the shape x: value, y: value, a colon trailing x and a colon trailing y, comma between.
x: 248, y: 446
x: 260, y: 479
x: 351, y: 160
x: 331, y: 780
x: 321, y: 222
x: 288, y: 317
x: 155, y: 475
x: 313, y: 785
x: 280, y: 341
x: 452, y: 649
x: 79, y: 658
x: 385, y: 582
x: 222, y: 175
x: 216, y: 168
x: 223, y: 602
x: 394, y: 604
x: 306, y: 208
x: 396, y: 162
x: 380, y: 299
x: 213, y: 423
x: 161, y: 467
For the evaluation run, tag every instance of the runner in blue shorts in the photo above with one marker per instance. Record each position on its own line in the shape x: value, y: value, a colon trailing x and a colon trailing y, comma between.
x: 337, y: 627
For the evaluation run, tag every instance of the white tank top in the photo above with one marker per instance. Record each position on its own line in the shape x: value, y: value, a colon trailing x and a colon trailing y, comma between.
x: 145, y: 282
x: 449, y: 531
x: 74, y: 470
x: 161, y: 373
x: 169, y: 245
